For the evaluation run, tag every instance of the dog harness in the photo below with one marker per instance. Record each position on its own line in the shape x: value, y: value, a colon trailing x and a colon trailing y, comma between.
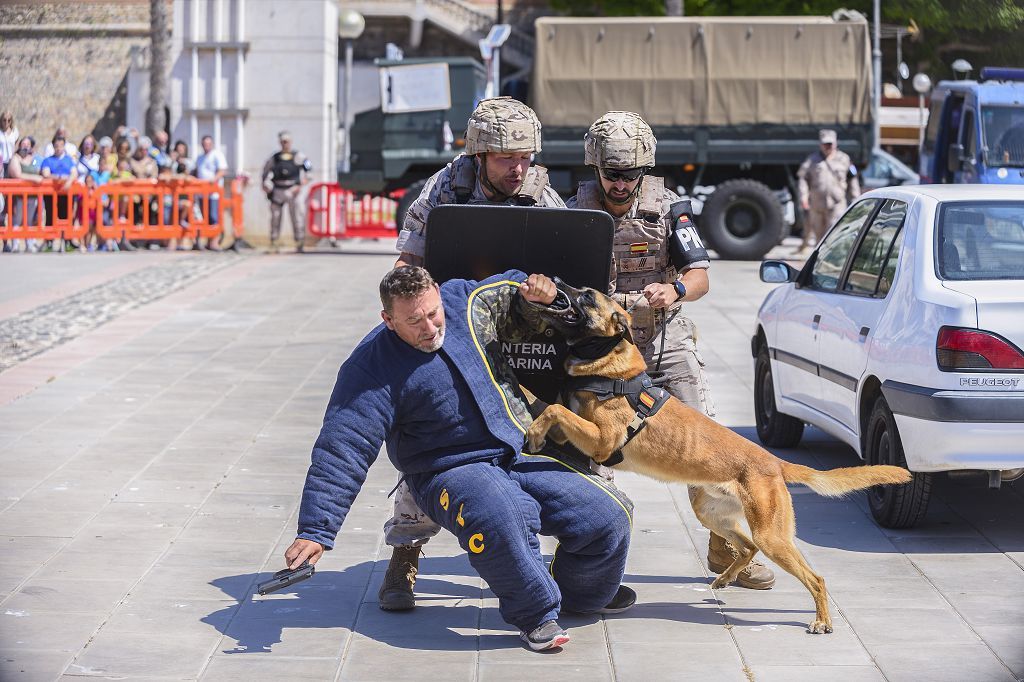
x: 639, y: 391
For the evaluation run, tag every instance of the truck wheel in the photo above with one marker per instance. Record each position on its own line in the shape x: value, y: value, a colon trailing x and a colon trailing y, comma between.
x: 742, y: 220
x: 412, y: 192
x: 893, y: 506
x: 774, y: 429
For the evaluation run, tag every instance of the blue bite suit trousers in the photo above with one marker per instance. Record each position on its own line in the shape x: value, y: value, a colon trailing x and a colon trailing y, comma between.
x: 497, y: 511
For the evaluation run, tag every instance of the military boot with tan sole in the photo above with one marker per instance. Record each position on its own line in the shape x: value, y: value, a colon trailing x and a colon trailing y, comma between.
x: 396, y: 590
x: 721, y: 554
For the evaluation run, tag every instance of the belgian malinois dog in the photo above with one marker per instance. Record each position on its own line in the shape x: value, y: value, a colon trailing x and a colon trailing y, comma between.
x: 737, y: 479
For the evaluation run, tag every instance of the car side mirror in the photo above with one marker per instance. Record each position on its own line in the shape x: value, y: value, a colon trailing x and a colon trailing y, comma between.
x: 955, y: 158
x: 777, y: 272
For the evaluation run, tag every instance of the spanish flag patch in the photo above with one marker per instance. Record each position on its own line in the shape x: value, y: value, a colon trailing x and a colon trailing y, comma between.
x: 639, y: 247
x: 647, y: 399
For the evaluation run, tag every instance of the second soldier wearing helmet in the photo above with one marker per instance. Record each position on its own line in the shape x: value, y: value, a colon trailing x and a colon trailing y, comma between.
x: 658, y: 263
x: 502, y: 136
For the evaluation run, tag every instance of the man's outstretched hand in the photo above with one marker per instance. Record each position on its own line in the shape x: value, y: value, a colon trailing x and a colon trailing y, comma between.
x: 538, y: 289
x: 302, y: 551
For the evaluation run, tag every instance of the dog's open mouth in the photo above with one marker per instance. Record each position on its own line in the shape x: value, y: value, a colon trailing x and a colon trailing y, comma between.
x: 564, y: 309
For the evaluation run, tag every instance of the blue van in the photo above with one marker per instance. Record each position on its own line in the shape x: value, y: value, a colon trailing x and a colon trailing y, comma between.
x: 975, y: 130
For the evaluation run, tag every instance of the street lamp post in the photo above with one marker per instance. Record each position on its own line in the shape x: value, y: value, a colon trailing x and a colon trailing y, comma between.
x: 350, y: 27
x: 922, y: 84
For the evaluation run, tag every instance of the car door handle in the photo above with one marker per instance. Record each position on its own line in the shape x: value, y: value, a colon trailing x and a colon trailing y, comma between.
x: 816, y: 320
x: 864, y: 332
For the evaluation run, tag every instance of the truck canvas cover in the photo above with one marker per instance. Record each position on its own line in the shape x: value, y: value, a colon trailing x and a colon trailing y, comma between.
x: 703, y: 71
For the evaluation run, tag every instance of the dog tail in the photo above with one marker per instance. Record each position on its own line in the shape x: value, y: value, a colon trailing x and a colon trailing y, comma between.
x: 838, y: 482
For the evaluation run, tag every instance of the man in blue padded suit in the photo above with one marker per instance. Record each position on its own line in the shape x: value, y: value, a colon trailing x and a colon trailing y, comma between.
x: 432, y: 384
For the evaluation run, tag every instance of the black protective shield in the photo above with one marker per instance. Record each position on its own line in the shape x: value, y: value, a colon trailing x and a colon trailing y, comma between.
x: 475, y: 242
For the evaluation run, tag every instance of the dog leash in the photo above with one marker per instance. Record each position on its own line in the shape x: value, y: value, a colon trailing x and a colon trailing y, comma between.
x: 665, y: 320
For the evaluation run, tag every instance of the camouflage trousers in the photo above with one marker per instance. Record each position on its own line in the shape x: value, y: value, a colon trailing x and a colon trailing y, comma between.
x: 817, y: 221
x: 409, y: 525
x: 675, y: 364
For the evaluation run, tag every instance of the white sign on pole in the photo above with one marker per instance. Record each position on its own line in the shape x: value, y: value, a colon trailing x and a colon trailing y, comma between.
x: 415, y: 87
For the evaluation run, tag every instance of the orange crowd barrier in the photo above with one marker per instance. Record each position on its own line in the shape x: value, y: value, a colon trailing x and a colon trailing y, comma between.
x: 335, y: 212
x: 169, y: 208
x: 42, y: 210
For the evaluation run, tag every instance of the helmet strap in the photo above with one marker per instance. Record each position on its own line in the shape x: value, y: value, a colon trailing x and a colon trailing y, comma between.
x: 496, y: 194
x: 619, y: 202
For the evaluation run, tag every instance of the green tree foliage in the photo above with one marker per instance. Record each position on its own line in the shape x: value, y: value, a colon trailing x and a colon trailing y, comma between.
x: 986, y: 33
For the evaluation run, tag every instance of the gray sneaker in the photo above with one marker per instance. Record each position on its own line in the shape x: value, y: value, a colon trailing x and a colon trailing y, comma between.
x: 547, y: 635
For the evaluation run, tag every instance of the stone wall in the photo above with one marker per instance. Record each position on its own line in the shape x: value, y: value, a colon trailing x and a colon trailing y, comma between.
x: 66, y: 63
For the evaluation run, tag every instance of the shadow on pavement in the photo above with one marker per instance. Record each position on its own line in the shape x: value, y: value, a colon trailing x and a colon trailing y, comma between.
x: 964, y: 516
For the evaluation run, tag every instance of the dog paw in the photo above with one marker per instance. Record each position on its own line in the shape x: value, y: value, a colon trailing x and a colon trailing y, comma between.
x: 719, y: 583
x: 535, y: 438
x: 819, y: 627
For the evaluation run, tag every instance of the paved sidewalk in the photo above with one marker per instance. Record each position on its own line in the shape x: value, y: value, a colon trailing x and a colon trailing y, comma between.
x: 151, y: 467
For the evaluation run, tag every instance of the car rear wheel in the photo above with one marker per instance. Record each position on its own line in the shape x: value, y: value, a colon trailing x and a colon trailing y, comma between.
x: 893, y: 506
x: 775, y: 429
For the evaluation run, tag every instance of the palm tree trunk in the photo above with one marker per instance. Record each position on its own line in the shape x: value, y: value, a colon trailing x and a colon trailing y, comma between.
x: 159, y: 57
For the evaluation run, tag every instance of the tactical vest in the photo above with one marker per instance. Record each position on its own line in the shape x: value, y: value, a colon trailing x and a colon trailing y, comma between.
x: 464, y: 183
x: 640, y: 253
x: 285, y: 169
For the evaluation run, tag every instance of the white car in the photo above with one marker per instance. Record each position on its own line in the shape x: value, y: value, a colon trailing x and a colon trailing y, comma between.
x: 902, y: 337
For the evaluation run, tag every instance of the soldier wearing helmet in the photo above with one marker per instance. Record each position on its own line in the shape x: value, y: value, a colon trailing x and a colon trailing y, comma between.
x: 658, y: 263
x: 502, y: 136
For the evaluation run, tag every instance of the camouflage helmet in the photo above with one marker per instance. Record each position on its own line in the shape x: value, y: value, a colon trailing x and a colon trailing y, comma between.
x: 619, y: 139
x: 502, y: 124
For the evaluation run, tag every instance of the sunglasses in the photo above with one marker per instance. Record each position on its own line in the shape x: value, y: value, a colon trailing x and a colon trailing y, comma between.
x: 625, y: 175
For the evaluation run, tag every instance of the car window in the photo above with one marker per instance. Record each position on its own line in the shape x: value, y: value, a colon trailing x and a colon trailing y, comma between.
x: 873, y: 252
x: 878, y: 168
x: 981, y: 240
x: 889, y: 271
x: 835, y: 249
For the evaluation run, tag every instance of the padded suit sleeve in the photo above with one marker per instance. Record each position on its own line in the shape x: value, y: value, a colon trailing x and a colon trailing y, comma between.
x: 359, y: 417
x: 686, y: 250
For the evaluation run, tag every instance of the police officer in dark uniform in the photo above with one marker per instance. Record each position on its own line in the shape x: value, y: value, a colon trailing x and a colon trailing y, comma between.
x: 283, y: 176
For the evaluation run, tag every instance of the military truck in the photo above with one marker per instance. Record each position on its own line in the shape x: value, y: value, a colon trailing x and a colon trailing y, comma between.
x: 736, y: 104
x: 975, y: 130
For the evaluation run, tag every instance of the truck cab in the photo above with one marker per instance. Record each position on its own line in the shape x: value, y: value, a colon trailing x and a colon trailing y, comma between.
x: 975, y: 130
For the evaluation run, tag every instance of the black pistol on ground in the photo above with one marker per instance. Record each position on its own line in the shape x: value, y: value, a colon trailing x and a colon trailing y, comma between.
x: 284, y: 578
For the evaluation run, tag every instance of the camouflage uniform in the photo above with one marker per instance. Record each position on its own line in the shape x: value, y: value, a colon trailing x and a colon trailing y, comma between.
x: 640, y: 256
x: 501, y: 124
x: 828, y: 184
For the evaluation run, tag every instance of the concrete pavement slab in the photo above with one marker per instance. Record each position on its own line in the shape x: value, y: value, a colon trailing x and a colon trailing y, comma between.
x: 207, y: 401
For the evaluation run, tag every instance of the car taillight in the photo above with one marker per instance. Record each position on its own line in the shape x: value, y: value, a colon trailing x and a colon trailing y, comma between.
x: 960, y: 349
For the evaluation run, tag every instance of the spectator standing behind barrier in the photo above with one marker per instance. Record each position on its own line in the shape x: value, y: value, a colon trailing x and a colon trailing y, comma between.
x: 106, y: 148
x: 88, y: 157
x: 179, y: 155
x: 8, y: 136
x: 124, y: 151
x: 284, y: 174
x: 25, y: 166
x: 827, y: 182
x: 211, y: 165
x: 93, y: 180
x: 69, y: 147
x: 60, y: 165
x: 159, y: 149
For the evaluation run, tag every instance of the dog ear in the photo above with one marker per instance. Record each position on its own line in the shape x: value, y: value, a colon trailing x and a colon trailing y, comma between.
x: 622, y: 326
